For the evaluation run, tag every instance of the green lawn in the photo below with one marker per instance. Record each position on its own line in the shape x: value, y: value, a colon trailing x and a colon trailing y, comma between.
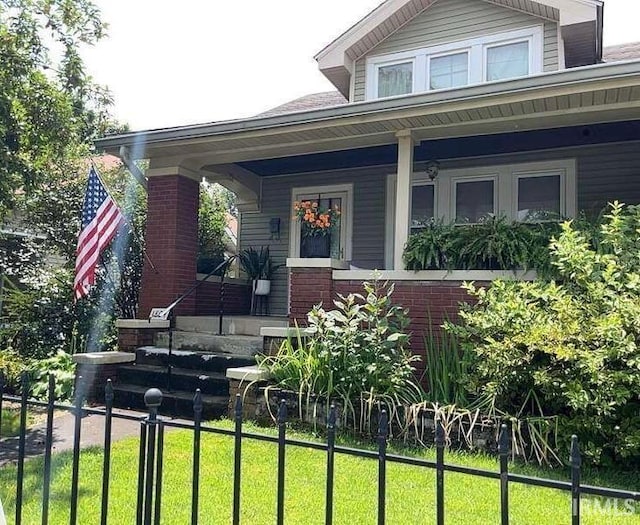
x: 410, y: 495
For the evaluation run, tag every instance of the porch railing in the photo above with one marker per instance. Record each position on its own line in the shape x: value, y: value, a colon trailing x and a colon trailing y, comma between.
x: 149, y: 507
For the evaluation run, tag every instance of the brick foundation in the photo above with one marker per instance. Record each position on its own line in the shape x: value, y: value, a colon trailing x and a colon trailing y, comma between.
x: 428, y: 302
x: 91, y: 380
x: 131, y: 338
x: 171, y: 244
x: 237, y: 298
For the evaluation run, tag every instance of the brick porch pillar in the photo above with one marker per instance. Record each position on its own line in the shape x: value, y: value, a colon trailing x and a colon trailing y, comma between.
x: 171, y: 243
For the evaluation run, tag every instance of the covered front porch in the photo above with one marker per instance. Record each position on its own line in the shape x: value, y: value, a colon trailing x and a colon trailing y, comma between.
x: 576, y: 129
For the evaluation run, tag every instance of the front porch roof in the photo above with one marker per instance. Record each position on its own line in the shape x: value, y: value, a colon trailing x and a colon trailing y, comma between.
x: 580, y: 96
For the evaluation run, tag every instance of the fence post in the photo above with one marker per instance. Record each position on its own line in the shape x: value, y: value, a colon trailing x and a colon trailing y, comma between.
x: 439, y: 472
x: 2, y: 383
x: 48, y: 445
x: 383, y: 432
x: 503, y: 451
x: 147, y: 466
x: 195, y: 480
x: 22, y: 445
x: 237, y: 460
x: 331, y: 443
x: 282, y: 426
x: 106, y: 466
x: 576, y: 463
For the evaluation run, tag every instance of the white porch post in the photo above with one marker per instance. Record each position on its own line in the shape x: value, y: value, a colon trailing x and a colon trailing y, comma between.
x: 403, y: 195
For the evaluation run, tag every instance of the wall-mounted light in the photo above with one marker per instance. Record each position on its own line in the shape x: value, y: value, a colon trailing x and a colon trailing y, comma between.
x: 432, y: 168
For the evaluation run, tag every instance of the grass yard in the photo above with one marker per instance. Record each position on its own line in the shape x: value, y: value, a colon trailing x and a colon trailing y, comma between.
x: 410, y: 493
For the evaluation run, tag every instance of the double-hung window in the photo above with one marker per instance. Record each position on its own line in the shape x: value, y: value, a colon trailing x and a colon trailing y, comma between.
x: 491, y: 58
x: 475, y: 199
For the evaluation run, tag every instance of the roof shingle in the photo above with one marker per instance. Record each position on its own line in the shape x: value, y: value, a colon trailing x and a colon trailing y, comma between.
x: 307, y: 103
x: 629, y: 51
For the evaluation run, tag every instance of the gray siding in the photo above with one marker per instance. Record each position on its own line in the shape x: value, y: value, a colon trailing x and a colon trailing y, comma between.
x: 455, y: 20
x: 369, y: 188
x: 604, y: 173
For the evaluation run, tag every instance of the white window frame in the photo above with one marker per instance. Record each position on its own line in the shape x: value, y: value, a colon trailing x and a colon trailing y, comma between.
x: 346, y: 217
x: 378, y: 65
x: 463, y: 180
x: 417, y: 182
x: 476, y: 47
x: 505, y: 202
x: 485, y: 56
x: 540, y: 173
x: 446, y: 54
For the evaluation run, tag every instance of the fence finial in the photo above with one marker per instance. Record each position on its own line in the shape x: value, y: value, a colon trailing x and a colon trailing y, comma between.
x: 108, y: 392
x: 576, y: 458
x: 331, y: 421
x: 238, y: 406
x: 153, y: 400
x: 503, y: 440
x: 197, y: 403
x: 383, y: 425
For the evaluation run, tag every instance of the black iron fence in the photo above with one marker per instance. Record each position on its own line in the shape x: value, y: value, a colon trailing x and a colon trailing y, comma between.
x: 151, y: 456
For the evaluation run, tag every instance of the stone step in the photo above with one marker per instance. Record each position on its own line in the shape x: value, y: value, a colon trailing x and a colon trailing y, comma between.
x: 231, y: 325
x: 239, y: 345
x: 174, y: 403
x: 212, y: 383
x: 200, y: 361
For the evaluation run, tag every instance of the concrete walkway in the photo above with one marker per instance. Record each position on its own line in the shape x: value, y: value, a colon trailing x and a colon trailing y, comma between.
x: 92, y: 434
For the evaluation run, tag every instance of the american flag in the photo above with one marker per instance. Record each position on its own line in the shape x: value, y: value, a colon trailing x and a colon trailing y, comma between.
x: 101, y: 218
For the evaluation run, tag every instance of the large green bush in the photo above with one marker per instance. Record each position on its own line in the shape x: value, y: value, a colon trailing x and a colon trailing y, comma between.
x: 356, y: 353
x: 569, y: 347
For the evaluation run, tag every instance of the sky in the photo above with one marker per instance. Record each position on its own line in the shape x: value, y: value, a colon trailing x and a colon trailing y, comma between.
x: 170, y: 63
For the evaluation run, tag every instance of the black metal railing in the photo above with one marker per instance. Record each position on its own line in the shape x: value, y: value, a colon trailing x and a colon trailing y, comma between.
x: 151, y: 459
x: 168, y: 312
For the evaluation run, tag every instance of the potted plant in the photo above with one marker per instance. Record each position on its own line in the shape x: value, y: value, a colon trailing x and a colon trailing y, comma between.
x: 259, y: 268
x: 317, y: 223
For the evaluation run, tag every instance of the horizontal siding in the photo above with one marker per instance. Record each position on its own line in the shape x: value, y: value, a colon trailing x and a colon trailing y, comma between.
x: 368, y: 225
x: 453, y: 21
x: 605, y: 173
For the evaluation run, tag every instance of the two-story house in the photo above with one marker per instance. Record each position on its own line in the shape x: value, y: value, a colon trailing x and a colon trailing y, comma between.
x: 444, y: 108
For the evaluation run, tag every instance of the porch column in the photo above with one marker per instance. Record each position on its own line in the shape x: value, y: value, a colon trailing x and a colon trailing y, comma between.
x: 171, y: 240
x: 403, y: 195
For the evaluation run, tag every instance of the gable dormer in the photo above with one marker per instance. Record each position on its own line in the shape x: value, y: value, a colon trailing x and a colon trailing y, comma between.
x: 413, y: 46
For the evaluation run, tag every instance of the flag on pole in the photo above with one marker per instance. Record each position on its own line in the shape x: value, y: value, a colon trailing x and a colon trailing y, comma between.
x: 101, y: 218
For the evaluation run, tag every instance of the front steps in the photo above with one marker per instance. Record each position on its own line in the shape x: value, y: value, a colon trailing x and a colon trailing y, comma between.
x: 190, y: 370
x: 200, y: 359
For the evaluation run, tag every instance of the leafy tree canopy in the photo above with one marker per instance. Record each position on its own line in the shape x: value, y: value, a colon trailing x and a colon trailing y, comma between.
x: 49, y: 107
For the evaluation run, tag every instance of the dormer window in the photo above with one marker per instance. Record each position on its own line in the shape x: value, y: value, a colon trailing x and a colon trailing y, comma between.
x: 491, y: 58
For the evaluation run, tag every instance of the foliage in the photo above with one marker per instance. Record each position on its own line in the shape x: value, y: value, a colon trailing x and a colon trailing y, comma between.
x: 212, y: 224
x: 49, y: 108
x: 446, y: 368
x: 62, y: 367
x: 493, y: 244
x: 316, y: 220
x: 11, y: 366
x: 569, y: 347
x: 358, y: 352
x: 258, y: 264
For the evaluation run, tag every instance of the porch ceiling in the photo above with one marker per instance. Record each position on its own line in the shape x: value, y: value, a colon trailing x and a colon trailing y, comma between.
x: 582, y: 96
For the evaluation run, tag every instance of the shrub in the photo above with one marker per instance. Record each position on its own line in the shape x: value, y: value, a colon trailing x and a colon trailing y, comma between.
x: 11, y: 365
x: 357, y: 352
x: 568, y: 347
x: 62, y: 367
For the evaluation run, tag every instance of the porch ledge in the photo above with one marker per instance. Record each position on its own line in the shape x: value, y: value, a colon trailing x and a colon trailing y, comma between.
x: 434, y: 275
x: 299, y: 262
x: 248, y: 373
x: 103, y: 358
x: 283, y: 331
x: 141, y: 323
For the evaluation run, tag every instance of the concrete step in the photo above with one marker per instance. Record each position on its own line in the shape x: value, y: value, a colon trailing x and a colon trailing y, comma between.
x: 232, y: 325
x: 199, y: 361
x: 239, y: 345
x: 211, y: 383
x: 175, y: 403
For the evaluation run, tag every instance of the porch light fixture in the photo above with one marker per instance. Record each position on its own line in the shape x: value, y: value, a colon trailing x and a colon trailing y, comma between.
x: 432, y: 168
